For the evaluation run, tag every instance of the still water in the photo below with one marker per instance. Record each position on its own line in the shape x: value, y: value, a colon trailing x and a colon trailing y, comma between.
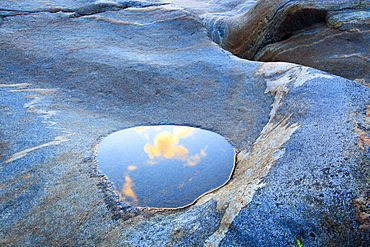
x: 165, y: 166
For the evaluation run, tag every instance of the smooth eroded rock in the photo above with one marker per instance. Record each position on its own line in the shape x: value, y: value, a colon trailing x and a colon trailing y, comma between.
x: 331, y: 36
x: 69, y: 79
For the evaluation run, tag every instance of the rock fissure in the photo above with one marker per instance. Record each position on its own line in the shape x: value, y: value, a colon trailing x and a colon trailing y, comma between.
x: 283, y: 31
x: 295, y: 21
x: 298, y: 21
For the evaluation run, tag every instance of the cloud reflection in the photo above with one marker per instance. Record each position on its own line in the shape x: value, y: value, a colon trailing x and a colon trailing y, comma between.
x: 166, y: 145
x: 128, y: 192
x: 195, y: 159
x: 131, y: 168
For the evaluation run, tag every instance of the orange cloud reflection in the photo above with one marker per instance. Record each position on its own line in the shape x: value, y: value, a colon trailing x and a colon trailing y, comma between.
x: 166, y: 145
x: 128, y: 192
x: 131, y: 168
x: 195, y: 159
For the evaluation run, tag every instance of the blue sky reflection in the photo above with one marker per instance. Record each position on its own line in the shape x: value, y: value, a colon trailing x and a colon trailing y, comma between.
x: 165, y: 166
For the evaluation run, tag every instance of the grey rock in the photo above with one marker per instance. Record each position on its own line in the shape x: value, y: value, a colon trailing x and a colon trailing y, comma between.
x: 339, y: 46
x: 302, y: 135
x: 283, y: 31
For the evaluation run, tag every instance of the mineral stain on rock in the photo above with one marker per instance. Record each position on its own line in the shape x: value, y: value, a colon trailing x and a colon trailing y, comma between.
x: 164, y: 166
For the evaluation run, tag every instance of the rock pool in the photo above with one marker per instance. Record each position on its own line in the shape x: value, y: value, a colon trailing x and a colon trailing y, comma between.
x: 165, y: 166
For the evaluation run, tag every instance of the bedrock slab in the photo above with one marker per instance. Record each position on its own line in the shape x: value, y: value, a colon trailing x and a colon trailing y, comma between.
x: 339, y: 46
x: 70, y: 77
x: 328, y: 35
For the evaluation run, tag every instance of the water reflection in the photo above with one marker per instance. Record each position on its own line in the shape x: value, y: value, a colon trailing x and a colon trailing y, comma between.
x: 165, y: 166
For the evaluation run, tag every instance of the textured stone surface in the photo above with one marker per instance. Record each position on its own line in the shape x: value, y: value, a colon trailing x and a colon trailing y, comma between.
x: 71, y: 72
x: 341, y: 49
x: 286, y: 31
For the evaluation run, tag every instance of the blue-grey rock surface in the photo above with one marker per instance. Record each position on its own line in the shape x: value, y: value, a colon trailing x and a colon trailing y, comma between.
x: 72, y: 72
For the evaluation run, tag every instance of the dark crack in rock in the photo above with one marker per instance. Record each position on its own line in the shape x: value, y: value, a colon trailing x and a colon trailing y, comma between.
x: 286, y: 31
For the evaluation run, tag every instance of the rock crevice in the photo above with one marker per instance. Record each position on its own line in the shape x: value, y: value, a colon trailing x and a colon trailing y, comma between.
x: 274, y: 31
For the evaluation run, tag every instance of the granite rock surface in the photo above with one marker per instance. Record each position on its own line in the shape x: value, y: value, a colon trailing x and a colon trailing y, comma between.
x: 72, y: 72
x: 328, y: 35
